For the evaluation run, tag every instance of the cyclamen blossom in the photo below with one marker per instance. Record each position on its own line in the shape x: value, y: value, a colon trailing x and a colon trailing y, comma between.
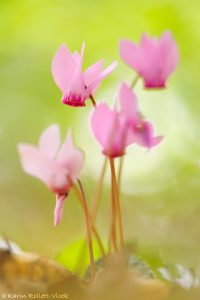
x: 77, y: 85
x: 58, y: 166
x: 153, y: 59
x: 142, y: 129
x: 115, y: 130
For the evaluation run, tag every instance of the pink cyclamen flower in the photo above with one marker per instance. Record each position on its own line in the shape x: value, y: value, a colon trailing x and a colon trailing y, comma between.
x: 153, y: 59
x: 115, y: 130
x: 77, y: 85
x: 58, y: 166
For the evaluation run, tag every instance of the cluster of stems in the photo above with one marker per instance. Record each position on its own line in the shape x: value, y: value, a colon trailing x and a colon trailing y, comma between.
x: 116, y: 232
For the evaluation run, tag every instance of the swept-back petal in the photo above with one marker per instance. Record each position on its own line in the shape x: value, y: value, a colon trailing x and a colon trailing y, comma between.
x: 145, y: 135
x: 92, y: 86
x: 58, y: 212
x: 63, y: 66
x: 103, y: 124
x: 130, y: 54
x: 112, y: 130
x: 156, y: 140
x: 128, y: 101
x: 93, y: 72
x: 108, y: 70
x: 77, y: 57
x: 71, y: 157
x: 169, y: 52
x: 77, y: 86
x: 35, y: 163
x: 50, y: 140
x: 147, y: 43
x: 150, y: 60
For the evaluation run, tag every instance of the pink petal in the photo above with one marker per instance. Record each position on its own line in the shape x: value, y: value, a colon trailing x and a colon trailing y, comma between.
x: 77, y: 57
x: 77, y: 86
x: 169, y: 52
x: 156, y: 140
x: 145, y: 137
x: 101, y: 77
x: 58, y: 212
x: 121, y: 137
x: 128, y: 101
x: 50, y: 140
x: 147, y: 43
x: 77, y: 94
x: 130, y: 54
x: 108, y: 70
x: 35, y: 163
x: 130, y: 137
x: 71, y: 157
x: 112, y: 130
x: 92, y: 72
x: 63, y: 66
x: 103, y: 120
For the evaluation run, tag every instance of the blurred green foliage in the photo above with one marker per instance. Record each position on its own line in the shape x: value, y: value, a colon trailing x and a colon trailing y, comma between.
x: 75, y: 256
x: 161, y: 190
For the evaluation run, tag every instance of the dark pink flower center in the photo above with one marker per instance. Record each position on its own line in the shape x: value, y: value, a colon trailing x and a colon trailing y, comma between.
x: 74, y: 99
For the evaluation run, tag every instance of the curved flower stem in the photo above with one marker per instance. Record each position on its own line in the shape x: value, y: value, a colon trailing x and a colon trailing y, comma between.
x: 97, y: 236
x: 119, y: 175
x: 117, y: 202
x: 93, y: 100
x: 135, y: 80
x: 88, y: 225
x: 95, y: 232
x: 112, y: 234
x: 98, y: 190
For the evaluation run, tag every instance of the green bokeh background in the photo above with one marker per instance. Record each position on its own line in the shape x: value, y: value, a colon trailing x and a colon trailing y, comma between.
x: 160, y: 189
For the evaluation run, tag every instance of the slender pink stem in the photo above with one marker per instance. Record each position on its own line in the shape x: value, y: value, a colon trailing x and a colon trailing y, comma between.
x: 89, y: 228
x: 95, y: 232
x: 135, y: 80
x: 117, y: 202
x: 93, y: 100
x: 119, y: 176
x: 112, y: 234
x: 97, y: 196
